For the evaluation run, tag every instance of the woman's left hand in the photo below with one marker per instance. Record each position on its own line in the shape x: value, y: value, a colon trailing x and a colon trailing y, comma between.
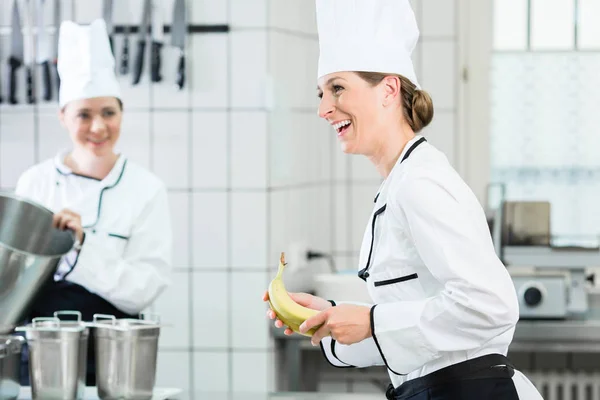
x: 345, y: 323
x: 67, y: 219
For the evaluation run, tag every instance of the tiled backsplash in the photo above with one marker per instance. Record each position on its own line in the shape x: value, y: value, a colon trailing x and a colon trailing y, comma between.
x: 249, y: 166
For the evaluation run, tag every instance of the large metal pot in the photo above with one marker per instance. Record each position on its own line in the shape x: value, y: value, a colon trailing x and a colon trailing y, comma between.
x: 30, y: 251
x: 57, y: 357
x: 10, y: 366
x: 126, y: 354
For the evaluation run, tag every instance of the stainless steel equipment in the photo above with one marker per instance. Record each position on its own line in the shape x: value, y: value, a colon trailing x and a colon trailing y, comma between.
x: 126, y: 355
x: 550, y: 278
x: 30, y: 250
x: 57, y: 357
x: 10, y: 363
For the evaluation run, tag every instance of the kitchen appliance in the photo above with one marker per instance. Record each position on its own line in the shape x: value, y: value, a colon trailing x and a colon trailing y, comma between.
x: 126, y: 356
x: 549, y: 277
x: 10, y: 364
x: 30, y: 250
x: 57, y: 357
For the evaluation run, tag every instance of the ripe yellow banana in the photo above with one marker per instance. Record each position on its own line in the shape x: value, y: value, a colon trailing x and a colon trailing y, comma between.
x: 287, y: 310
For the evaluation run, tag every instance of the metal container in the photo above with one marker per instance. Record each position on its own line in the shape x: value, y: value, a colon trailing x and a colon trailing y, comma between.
x: 57, y: 357
x: 126, y: 354
x: 30, y: 250
x: 10, y: 366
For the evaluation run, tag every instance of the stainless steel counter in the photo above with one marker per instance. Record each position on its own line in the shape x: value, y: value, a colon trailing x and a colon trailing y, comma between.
x: 91, y: 395
x: 530, y: 336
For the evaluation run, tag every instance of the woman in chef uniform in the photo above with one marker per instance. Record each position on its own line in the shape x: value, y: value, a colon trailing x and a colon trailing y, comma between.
x: 117, y: 209
x: 445, y: 308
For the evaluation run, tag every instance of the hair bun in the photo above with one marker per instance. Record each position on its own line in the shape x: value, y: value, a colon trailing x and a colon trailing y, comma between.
x: 422, y: 109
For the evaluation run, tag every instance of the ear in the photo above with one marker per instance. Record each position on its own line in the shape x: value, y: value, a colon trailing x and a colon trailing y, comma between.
x: 391, y: 90
x: 61, y: 117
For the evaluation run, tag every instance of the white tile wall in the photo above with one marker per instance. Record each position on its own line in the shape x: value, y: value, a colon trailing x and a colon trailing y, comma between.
x: 135, y: 136
x: 17, y: 146
x: 209, y: 141
x: 251, y: 371
x: 249, y: 68
x: 249, y: 150
x: 170, y: 144
x: 248, y: 229
x: 249, y: 326
x: 211, y: 307
x: 207, y: 70
x: 440, y: 82
x: 248, y: 13
x: 438, y: 18
x: 210, y: 229
x: 179, y: 203
x: 177, y: 334
x: 173, y: 369
x: 211, y: 371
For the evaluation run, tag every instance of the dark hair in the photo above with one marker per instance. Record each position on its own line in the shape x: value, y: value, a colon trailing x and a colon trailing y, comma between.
x: 417, y: 106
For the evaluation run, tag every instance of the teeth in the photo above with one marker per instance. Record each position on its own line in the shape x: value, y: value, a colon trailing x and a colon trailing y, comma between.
x: 341, y: 124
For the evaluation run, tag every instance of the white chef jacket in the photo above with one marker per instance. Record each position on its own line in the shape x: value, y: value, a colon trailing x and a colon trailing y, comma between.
x: 441, y: 295
x: 126, y: 253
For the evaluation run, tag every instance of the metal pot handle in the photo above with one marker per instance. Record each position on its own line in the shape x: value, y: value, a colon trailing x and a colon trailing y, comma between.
x: 66, y: 312
x: 44, y: 319
x: 150, y: 317
x: 104, y: 316
x: 16, y: 344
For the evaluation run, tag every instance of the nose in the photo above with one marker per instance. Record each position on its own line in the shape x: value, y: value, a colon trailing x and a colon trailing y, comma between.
x: 98, y: 125
x: 326, y: 107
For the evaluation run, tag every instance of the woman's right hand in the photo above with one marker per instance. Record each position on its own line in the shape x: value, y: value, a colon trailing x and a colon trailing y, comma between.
x: 67, y: 219
x: 305, y: 300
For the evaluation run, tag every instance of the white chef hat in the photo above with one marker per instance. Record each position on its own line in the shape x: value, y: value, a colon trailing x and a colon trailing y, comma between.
x: 86, y: 65
x: 367, y: 35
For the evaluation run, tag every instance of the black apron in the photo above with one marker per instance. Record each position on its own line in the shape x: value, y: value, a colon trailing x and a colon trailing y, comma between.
x: 62, y: 296
x: 487, y: 377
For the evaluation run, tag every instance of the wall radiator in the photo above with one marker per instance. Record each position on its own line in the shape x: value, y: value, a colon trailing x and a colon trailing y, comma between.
x: 566, y: 385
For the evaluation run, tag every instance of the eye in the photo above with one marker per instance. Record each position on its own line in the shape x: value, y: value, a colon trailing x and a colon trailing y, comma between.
x: 320, y: 95
x: 83, y: 115
x: 337, y: 89
x: 109, y: 113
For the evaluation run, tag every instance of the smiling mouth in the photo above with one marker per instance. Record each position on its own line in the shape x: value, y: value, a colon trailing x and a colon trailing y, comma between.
x: 97, y: 142
x: 342, y: 127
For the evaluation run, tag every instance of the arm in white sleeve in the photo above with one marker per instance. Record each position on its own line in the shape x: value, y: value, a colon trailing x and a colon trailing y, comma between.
x: 478, y: 301
x: 28, y: 186
x: 360, y: 355
x: 133, y: 282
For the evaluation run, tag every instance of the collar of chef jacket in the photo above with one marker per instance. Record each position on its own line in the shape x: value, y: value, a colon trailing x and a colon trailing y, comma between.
x: 380, y: 198
x: 111, y: 179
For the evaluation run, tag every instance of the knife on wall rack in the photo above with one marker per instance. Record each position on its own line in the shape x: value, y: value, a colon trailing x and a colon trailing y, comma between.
x: 43, y: 51
x: 15, y: 59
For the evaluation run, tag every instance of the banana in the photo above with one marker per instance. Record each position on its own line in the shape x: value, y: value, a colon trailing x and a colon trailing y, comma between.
x: 287, y: 310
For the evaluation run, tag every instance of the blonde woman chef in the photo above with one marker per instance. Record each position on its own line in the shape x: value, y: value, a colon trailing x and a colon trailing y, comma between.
x: 117, y: 209
x: 444, y: 307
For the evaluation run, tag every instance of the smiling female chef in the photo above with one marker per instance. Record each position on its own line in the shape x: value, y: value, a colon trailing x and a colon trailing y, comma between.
x: 117, y: 209
x: 445, y: 307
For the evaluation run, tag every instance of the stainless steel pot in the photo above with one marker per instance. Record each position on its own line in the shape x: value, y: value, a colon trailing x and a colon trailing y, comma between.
x: 126, y: 354
x: 10, y: 366
x: 30, y: 250
x: 57, y: 357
